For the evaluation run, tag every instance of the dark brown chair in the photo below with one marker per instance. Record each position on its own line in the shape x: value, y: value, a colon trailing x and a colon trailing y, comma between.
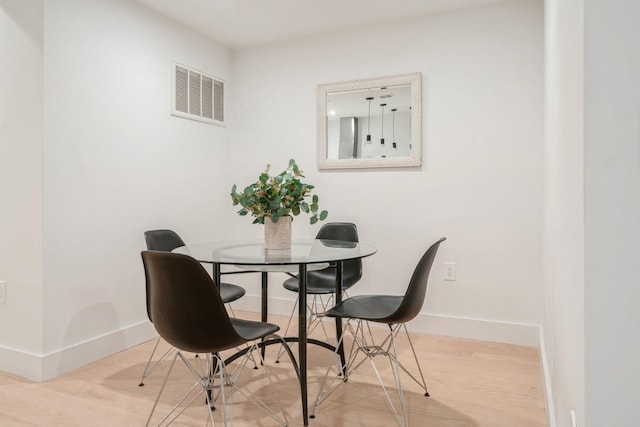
x: 166, y: 241
x: 395, y: 312
x: 189, y: 314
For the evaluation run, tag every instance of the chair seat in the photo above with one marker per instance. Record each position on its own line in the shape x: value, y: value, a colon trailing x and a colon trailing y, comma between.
x: 251, y: 330
x: 229, y: 292
x: 320, y: 282
x: 376, y: 308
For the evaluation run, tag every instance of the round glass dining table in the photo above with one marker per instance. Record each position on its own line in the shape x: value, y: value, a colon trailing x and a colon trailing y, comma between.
x: 303, y: 256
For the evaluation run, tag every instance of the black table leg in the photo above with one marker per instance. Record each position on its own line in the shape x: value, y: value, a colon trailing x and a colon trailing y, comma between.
x: 302, y: 337
x: 213, y: 361
x: 338, y: 300
x: 265, y: 297
x: 216, y: 275
x: 265, y: 303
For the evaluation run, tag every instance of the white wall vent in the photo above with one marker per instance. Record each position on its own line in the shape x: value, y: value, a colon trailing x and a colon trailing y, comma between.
x: 196, y: 95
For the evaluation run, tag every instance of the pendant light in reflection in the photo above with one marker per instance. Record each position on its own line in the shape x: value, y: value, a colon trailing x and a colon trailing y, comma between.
x: 393, y: 127
x: 382, y: 124
x: 370, y: 98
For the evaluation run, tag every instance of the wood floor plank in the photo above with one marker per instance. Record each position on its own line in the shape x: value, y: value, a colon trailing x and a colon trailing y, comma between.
x: 472, y: 384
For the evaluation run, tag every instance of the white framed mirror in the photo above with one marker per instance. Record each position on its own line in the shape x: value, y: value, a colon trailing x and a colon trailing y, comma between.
x: 370, y: 123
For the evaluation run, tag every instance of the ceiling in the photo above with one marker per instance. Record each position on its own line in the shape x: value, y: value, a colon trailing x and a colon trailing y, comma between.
x: 239, y: 24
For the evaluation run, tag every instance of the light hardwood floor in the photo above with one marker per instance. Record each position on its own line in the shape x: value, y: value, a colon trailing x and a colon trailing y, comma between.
x: 472, y: 384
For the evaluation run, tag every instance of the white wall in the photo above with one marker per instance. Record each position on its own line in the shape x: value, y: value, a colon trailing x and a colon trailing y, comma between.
x: 563, y: 317
x: 481, y: 181
x: 115, y: 164
x: 593, y: 205
x: 612, y: 212
x: 21, y: 178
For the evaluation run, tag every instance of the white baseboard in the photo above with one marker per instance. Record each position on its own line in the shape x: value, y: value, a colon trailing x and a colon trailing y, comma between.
x: 436, y: 324
x: 21, y: 363
x: 477, y: 329
x: 43, y: 367
x: 37, y: 367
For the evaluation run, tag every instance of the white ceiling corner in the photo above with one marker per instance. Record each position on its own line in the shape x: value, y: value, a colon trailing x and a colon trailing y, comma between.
x: 239, y: 24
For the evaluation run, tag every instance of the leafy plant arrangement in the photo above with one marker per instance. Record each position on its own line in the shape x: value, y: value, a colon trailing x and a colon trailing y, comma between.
x: 278, y: 196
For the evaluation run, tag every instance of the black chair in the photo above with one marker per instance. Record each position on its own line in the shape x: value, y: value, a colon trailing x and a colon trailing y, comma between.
x: 395, y: 312
x: 166, y: 241
x: 323, y: 282
x: 189, y: 314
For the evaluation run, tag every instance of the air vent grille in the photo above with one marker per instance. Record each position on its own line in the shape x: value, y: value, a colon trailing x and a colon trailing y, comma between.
x: 218, y: 101
x: 197, y: 96
x: 207, y: 97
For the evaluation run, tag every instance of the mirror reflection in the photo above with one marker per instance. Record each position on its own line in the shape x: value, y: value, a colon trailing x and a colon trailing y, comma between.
x: 370, y: 123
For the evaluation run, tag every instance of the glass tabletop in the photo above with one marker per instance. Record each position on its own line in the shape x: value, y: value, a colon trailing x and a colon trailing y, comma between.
x: 253, y: 252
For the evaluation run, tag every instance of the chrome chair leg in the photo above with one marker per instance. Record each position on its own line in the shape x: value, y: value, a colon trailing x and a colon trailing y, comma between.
x: 148, y: 370
x: 233, y: 378
x: 421, y: 383
x: 223, y: 379
x: 164, y: 383
x: 327, y: 389
x: 318, y: 307
x: 286, y: 330
x: 395, y: 368
x: 310, y: 322
x: 364, y: 348
x: 202, y: 382
x: 315, y: 317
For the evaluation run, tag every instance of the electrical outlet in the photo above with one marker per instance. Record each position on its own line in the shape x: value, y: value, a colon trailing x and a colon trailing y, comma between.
x: 450, y: 271
x: 3, y: 291
x: 574, y: 423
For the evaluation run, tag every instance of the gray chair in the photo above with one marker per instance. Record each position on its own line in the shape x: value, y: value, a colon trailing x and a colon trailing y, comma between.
x: 391, y: 310
x: 166, y: 241
x: 322, y: 283
x: 189, y: 314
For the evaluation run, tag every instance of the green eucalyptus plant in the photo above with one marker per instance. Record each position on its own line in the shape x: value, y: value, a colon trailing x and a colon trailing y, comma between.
x: 278, y: 196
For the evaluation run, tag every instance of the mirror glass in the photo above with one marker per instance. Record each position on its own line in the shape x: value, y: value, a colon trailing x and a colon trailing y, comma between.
x: 370, y: 123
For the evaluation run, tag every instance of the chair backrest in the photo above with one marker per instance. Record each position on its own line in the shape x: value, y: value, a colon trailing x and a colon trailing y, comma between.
x: 414, y: 296
x: 347, y: 232
x: 186, y: 308
x: 162, y: 240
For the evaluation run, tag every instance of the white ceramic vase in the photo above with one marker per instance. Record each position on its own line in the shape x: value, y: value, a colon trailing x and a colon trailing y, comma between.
x: 277, y: 235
